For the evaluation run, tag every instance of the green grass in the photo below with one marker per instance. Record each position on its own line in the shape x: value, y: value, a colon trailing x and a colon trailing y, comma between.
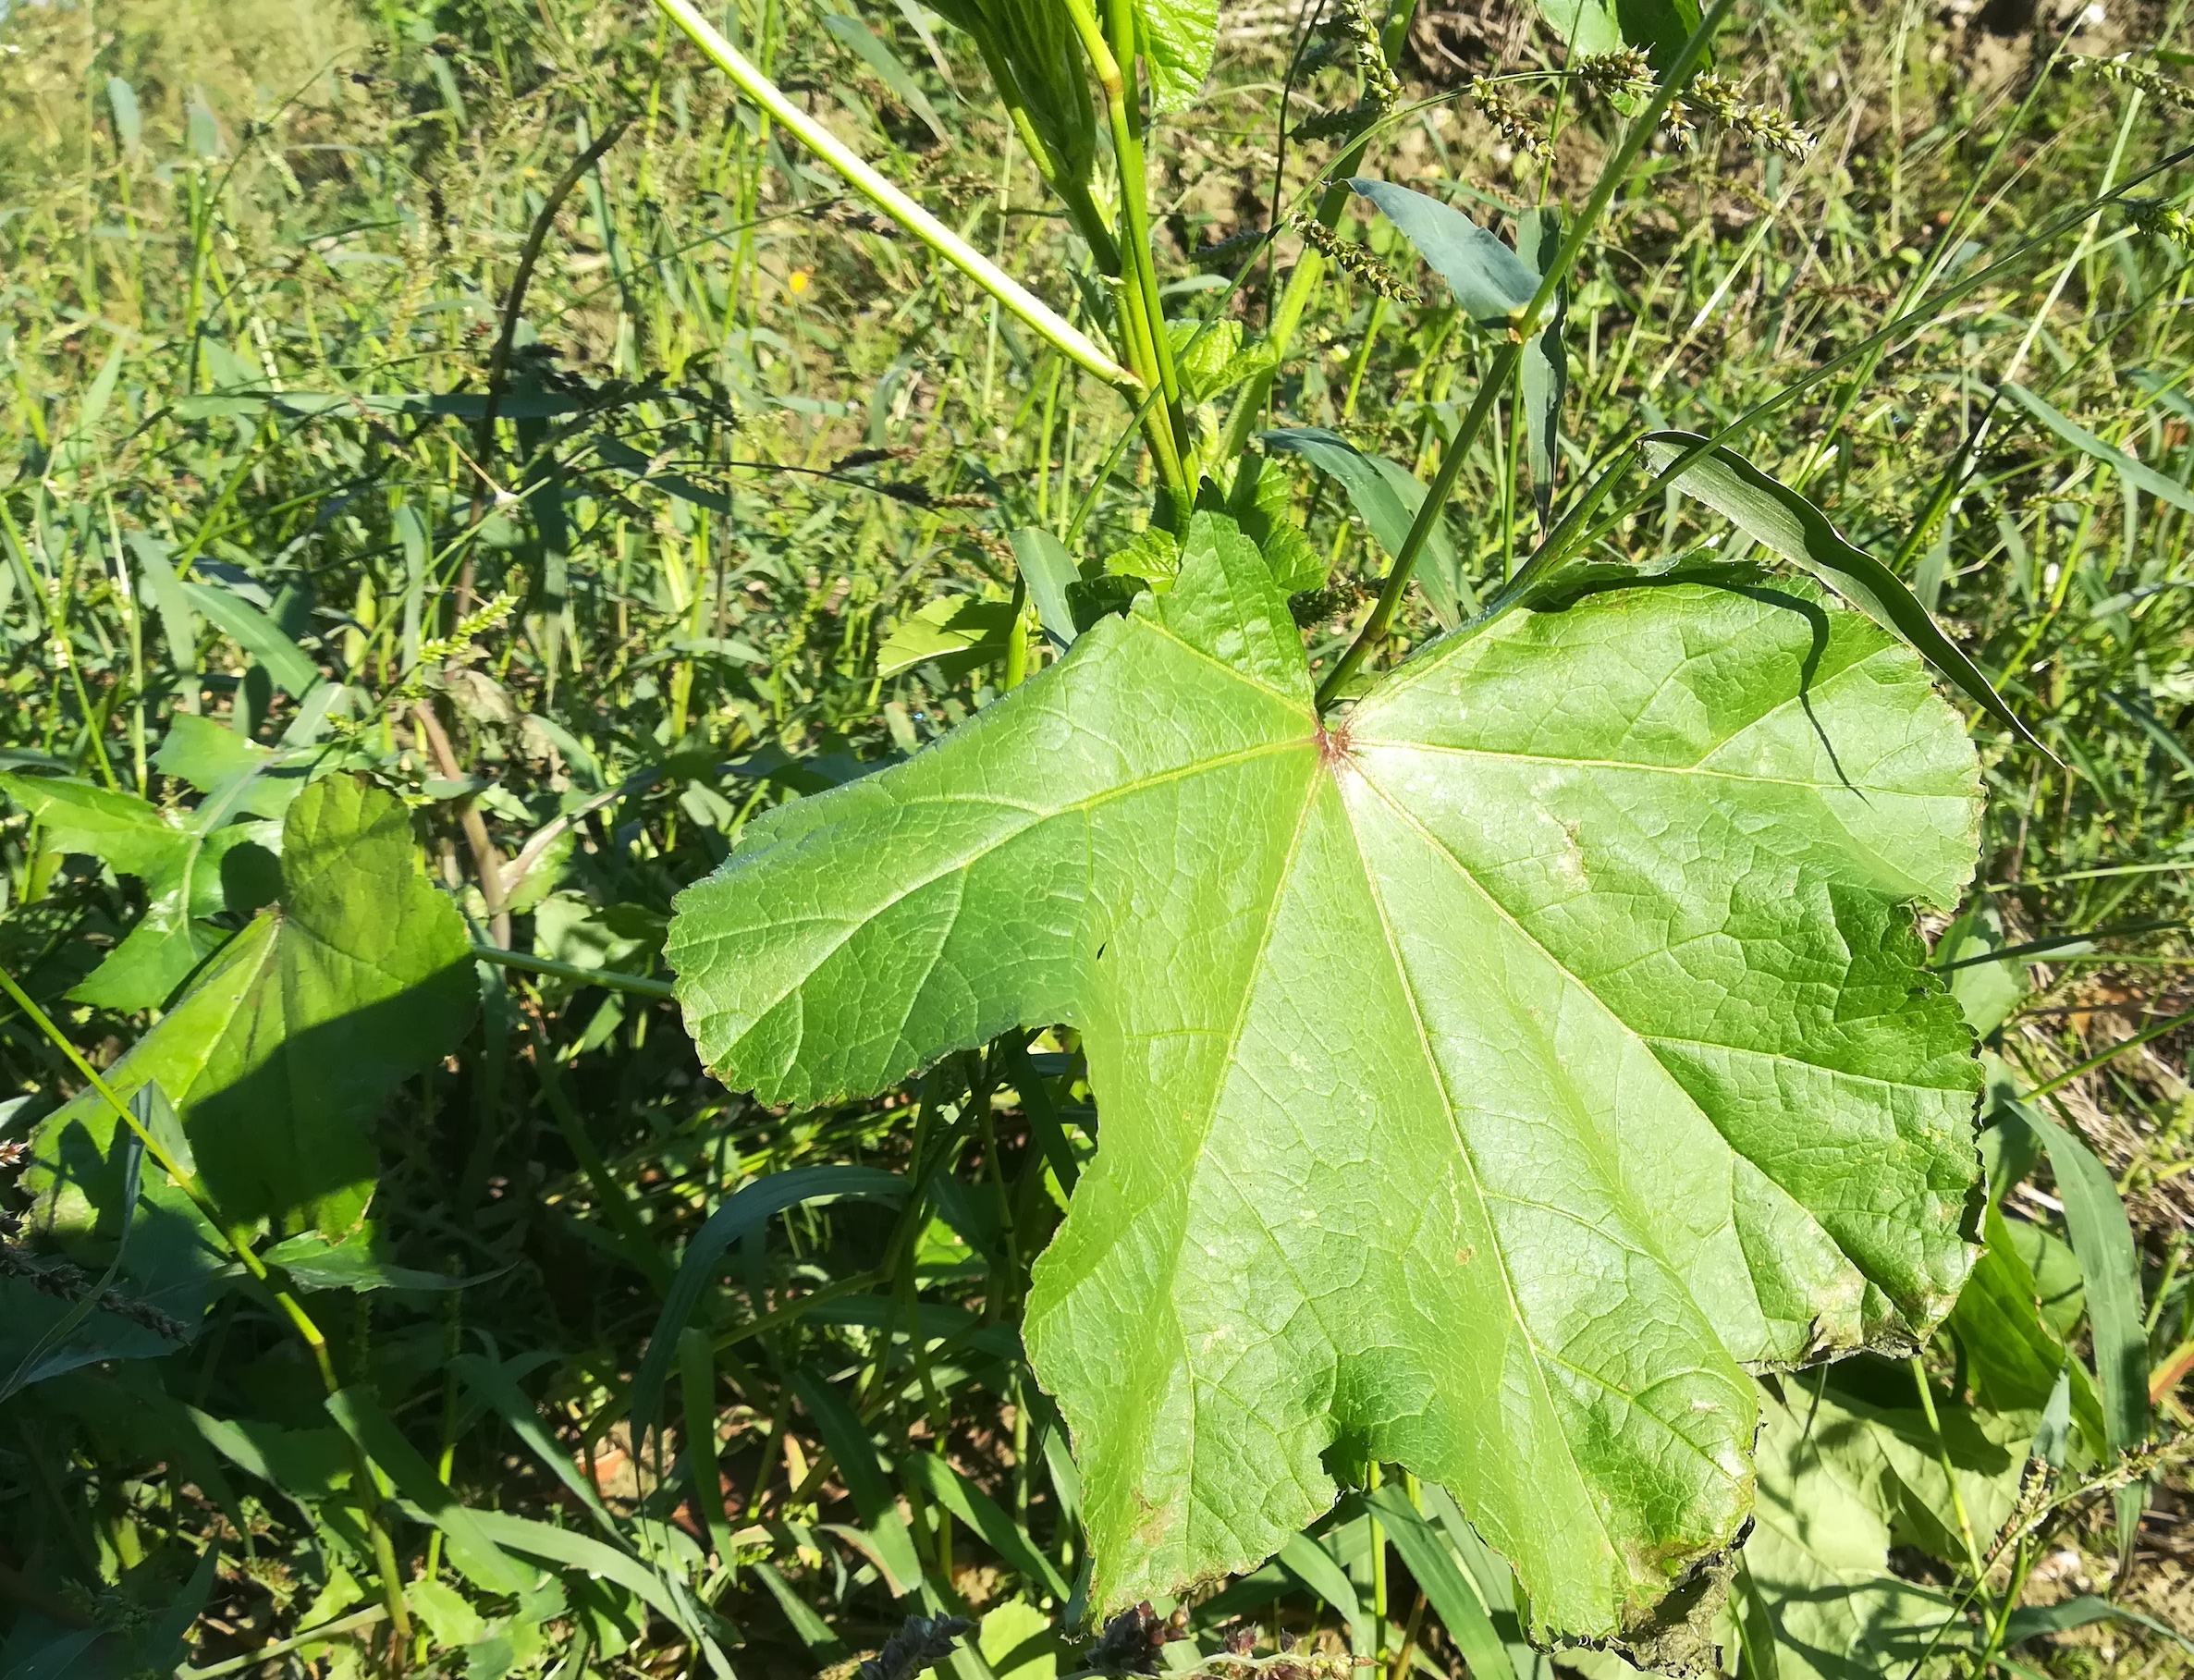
x: 794, y: 430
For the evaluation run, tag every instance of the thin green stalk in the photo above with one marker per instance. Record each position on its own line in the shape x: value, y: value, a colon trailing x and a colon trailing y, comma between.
x: 1030, y: 309
x: 1521, y: 327
x: 1949, y: 1475
x: 639, y: 984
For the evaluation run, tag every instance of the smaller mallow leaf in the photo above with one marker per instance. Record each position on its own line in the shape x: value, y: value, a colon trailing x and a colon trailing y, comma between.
x: 1490, y: 282
x: 297, y: 1030
x: 1489, y: 1077
x: 1178, y: 38
x: 1262, y: 505
x: 1824, y: 1603
x: 1783, y: 521
x: 125, y: 833
x: 1386, y: 496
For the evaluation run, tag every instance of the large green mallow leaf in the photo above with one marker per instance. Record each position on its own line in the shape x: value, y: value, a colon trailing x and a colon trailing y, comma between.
x: 1486, y: 1082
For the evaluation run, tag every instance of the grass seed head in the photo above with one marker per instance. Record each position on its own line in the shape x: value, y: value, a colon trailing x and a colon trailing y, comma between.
x: 1357, y: 260
x: 1506, y: 114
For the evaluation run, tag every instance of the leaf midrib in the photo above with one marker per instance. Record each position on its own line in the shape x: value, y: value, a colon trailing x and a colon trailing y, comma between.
x: 1440, y: 849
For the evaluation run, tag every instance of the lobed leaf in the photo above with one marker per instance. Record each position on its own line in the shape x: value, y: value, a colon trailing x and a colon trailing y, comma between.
x: 1487, y: 1079
x: 294, y: 1034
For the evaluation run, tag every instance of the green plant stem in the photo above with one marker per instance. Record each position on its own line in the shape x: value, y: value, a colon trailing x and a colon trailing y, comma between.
x: 1521, y: 324
x: 1443, y: 483
x: 1949, y: 1475
x: 1141, y: 315
x: 638, y: 985
x: 1030, y: 309
x: 233, y: 1237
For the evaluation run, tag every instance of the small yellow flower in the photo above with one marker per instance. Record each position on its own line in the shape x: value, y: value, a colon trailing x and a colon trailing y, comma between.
x: 797, y: 284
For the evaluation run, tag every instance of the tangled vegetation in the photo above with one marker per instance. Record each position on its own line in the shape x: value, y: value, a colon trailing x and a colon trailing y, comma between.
x: 1552, y: 644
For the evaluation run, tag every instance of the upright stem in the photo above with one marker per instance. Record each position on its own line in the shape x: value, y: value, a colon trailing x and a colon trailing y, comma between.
x: 1141, y: 315
x: 1521, y: 324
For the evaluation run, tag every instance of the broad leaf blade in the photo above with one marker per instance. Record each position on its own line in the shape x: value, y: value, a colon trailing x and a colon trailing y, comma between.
x: 1178, y: 38
x: 1575, y: 927
x: 1591, y: 27
x: 1386, y: 496
x: 1789, y: 525
x: 1490, y: 282
x: 1817, y: 1559
x: 958, y: 632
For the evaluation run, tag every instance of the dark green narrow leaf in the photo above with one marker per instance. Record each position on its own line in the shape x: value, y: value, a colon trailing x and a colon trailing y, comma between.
x: 1050, y: 572
x: 1490, y: 282
x: 1445, y: 1586
x: 945, y: 1486
x: 2140, y: 477
x: 1386, y: 496
x: 258, y: 635
x: 2035, y: 1621
x: 578, y: 1552
x: 825, y: 1647
x: 482, y: 1562
x: 860, y: 1469
x: 749, y: 1209
x: 1545, y: 363
x: 2102, y: 1239
x: 1786, y: 523
x: 494, y: 1384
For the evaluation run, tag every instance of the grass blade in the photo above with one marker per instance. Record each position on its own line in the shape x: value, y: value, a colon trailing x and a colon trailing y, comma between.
x: 1788, y: 525
x: 747, y: 1211
x: 2140, y: 477
x: 1449, y: 1593
x: 471, y: 1547
x: 947, y: 1486
x: 2103, y: 1240
x: 860, y: 1469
